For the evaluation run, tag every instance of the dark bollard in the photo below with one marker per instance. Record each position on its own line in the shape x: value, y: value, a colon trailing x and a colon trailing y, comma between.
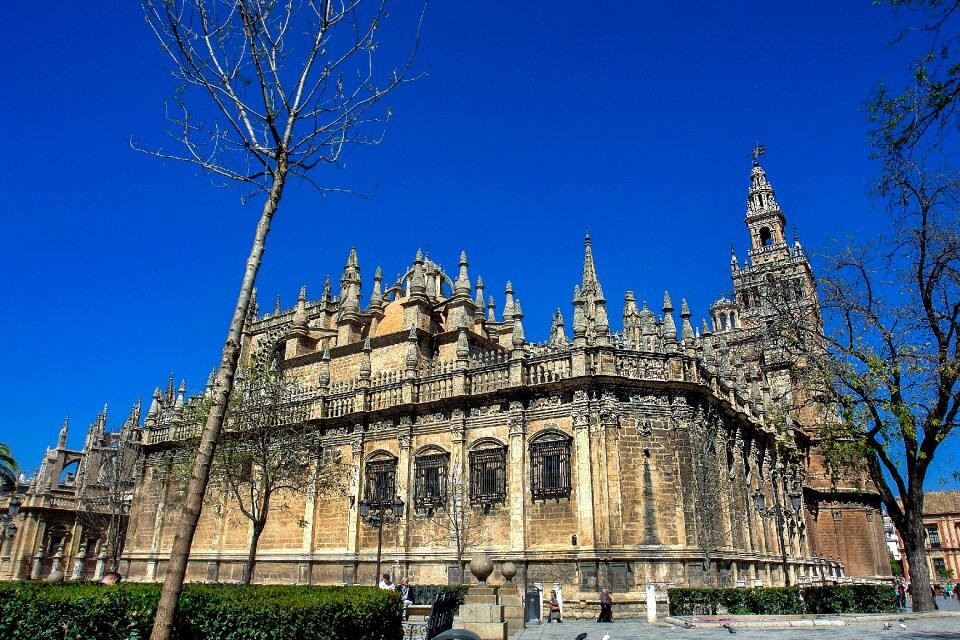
x: 457, y: 634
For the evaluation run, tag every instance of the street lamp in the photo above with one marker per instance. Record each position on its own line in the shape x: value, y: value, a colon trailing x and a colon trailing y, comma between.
x: 9, y: 526
x: 377, y: 514
x: 777, y: 511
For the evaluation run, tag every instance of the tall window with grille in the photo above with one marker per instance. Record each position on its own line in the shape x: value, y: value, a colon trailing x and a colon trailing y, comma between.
x: 430, y: 481
x: 550, y: 467
x: 381, y: 481
x: 488, y: 476
x: 933, y: 536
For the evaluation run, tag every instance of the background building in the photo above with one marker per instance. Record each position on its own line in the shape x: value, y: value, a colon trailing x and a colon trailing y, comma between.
x: 941, y: 519
x: 74, y: 510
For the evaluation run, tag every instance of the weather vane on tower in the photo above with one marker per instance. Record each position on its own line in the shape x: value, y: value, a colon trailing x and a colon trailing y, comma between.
x: 758, y: 151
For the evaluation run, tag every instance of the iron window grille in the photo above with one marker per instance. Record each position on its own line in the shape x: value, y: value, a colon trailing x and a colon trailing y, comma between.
x: 381, y: 482
x: 430, y: 481
x: 550, y: 468
x: 488, y: 476
x: 933, y: 534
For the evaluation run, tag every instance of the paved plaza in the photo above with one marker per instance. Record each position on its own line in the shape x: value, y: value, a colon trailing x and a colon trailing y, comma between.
x: 933, y: 628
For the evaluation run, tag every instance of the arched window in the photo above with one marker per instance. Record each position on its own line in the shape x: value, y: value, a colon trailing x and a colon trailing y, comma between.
x: 550, y: 466
x: 488, y: 475
x: 430, y: 480
x: 766, y: 238
x: 380, y: 480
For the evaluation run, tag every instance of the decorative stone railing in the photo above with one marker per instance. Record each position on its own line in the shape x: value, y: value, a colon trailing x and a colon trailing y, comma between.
x: 483, y: 374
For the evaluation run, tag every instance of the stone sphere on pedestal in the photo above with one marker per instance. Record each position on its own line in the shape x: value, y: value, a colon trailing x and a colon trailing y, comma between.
x: 508, y: 570
x: 481, y: 566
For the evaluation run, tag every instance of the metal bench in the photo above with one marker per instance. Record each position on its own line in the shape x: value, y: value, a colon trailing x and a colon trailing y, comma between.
x: 439, y: 620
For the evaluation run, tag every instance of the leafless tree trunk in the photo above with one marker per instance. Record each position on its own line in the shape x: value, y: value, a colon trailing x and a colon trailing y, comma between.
x: 460, y: 524
x: 289, y: 86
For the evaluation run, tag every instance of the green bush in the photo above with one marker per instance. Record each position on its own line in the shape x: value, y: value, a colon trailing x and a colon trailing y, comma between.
x: 841, y: 598
x: 125, y: 612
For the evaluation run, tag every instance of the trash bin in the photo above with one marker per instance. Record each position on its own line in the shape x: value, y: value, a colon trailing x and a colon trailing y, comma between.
x: 531, y: 609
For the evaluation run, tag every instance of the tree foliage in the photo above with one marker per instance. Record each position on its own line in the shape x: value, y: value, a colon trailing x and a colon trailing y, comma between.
x: 887, y: 366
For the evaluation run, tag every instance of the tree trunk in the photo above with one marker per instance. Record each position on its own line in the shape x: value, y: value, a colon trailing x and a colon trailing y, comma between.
x: 200, y: 474
x: 914, y: 543
x: 252, y: 554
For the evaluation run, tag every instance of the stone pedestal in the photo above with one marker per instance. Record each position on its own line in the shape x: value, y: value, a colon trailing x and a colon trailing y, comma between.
x: 483, y: 614
x: 511, y: 599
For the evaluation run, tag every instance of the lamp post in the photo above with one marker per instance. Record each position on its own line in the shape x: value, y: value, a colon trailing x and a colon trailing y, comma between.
x: 778, y: 511
x: 9, y: 526
x: 378, y: 513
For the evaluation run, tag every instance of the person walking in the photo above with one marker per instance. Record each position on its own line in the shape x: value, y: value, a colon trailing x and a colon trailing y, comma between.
x: 606, y: 607
x: 554, y: 607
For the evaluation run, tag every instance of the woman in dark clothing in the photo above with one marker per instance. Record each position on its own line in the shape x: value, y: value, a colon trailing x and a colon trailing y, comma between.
x: 606, y: 607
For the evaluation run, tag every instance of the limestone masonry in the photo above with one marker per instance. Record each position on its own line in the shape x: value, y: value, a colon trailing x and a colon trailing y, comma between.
x: 596, y: 459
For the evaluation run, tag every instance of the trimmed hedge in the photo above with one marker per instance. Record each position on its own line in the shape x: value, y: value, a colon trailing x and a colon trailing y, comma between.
x: 841, y: 598
x: 125, y: 612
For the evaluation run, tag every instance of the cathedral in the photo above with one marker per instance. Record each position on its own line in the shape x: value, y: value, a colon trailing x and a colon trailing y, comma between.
x: 667, y: 452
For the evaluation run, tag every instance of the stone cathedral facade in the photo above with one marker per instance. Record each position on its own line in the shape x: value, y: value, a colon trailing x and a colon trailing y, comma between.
x: 597, y: 458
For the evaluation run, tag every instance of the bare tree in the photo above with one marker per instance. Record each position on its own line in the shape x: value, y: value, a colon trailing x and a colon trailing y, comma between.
x: 285, y: 87
x: 268, y: 454
x: 458, y: 522
x: 105, y: 505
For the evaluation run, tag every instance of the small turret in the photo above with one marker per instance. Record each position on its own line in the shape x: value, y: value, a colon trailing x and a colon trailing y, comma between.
x: 154, y: 410
x: 557, y: 334
x: 323, y: 378
x: 365, y: 367
x: 276, y: 306
x: 181, y: 392
x: 508, y: 305
x: 300, y: 320
x: 686, y: 330
x: 518, y: 337
x: 211, y: 382
x: 376, y: 297
x: 669, y: 328
x: 62, y: 439
x: 413, y: 350
x: 461, y: 286
x: 579, y: 318
x: 325, y: 297
x: 491, y: 310
x: 478, y: 301
x: 418, y: 283
x: 463, y: 347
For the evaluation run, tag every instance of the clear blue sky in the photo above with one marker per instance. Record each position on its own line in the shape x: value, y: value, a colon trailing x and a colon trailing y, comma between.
x: 536, y: 121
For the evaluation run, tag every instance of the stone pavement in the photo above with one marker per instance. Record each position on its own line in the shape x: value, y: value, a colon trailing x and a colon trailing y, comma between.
x: 930, y: 629
x: 933, y: 628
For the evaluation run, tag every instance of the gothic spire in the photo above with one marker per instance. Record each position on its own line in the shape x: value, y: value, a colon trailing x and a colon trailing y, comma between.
x: 376, y: 297
x: 518, y: 336
x: 62, y: 440
x: 590, y: 283
x: 325, y: 296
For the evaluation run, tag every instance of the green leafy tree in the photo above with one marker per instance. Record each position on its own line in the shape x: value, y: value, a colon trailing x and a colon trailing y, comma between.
x: 267, y: 92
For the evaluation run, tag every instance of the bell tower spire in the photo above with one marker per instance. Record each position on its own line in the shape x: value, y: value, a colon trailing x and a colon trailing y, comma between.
x: 764, y: 219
